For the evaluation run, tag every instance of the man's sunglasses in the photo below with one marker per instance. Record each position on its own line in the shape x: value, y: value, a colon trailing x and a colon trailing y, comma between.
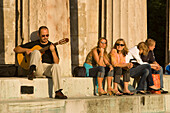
x: 47, y: 35
x: 120, y: 44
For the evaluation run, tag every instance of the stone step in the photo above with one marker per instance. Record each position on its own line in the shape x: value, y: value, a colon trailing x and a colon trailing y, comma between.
x: 166, y: 80
x: 151, y: 103
x: 21, y: 88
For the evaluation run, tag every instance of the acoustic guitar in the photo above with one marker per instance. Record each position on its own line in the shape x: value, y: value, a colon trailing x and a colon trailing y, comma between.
x: 24, y: 59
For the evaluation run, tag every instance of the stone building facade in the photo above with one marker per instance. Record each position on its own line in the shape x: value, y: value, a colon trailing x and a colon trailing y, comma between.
x: 82, y: 21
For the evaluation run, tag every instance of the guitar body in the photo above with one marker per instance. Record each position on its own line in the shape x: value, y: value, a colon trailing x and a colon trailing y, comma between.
x: 24, y: 59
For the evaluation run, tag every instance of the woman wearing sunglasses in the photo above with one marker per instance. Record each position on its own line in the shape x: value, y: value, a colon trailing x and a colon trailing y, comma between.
x: 97, y: 64
x: 117, y: 56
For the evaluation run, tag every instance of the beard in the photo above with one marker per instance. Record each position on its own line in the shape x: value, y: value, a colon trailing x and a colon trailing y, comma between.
x: 44, y: 40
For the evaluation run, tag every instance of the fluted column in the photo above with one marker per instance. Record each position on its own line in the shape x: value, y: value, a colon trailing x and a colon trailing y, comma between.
x: 130, y: 21
x: 7, y: 31
x: 84, y: 29
x: 109, y: 24
x: 58, y: 22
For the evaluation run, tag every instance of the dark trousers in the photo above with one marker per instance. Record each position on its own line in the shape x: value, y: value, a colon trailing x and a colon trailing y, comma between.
x: 143, y: 71
x: 100, y: 71
x: 118, y: 71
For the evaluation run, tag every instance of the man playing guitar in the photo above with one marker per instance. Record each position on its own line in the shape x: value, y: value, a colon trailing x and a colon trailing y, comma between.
x: 42, y: 62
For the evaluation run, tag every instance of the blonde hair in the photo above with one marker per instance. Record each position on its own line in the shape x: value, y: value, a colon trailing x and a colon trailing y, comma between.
x: 150, y: 42
x: 125, y: 49
x: 144, y: 47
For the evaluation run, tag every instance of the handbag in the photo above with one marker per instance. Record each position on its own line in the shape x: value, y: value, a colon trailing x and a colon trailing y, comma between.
x: 134, y: 62
x: 156, y: 80
x: 79, y: 71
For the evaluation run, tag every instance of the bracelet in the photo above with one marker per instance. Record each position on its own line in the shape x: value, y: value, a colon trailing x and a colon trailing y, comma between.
x: 101, y: 56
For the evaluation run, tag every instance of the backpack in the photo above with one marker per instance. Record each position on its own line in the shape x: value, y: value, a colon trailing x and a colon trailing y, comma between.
x: 79, y: 71
x: 167, y: 69
x: 8, y: 70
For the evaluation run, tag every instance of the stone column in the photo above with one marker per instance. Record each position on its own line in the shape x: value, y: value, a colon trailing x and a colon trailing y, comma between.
x: 109, y: 24
x: 130, y: 21
x: 91, y: 36
x: 124, y: 19
x: 84, y: 29
x: 103, y: 12
x: 34, y: 8
x: 137, y: 22
x: 116, y: 20
x: 25, y: 21
x: 31, y: 15
x: 58, y: 22
x: 37, y: 17
x: 18, y: 23
x: 7, y: 31
x: 2, y: 49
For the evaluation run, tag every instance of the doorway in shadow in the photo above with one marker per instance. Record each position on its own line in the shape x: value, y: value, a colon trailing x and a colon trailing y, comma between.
x: 156, y: 23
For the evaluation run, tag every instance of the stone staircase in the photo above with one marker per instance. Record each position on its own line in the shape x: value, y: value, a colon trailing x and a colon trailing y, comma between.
x: 19, y: 95
x: 22, y: 88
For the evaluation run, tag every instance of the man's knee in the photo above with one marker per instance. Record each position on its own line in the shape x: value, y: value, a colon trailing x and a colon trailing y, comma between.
x: 36, y: 52
x: 145, y: 72
x: 147, y: 66
x: 56, y: 66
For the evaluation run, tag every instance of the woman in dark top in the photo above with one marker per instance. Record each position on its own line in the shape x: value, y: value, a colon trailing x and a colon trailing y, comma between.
x: 150, y: 58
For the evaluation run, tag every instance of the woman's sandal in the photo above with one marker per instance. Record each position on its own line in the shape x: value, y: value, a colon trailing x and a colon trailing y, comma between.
x: 102, y: 93
x: 110, y: 91
x: 117, y: 93
x: 130, y: 93
x: 154, y: 88
x: 141, y: 92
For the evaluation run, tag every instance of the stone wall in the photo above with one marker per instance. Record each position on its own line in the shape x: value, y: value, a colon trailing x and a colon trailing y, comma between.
x: 82, y: 21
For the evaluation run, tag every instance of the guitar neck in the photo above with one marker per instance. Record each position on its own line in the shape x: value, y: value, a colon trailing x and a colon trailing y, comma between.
x: 47, y: 47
